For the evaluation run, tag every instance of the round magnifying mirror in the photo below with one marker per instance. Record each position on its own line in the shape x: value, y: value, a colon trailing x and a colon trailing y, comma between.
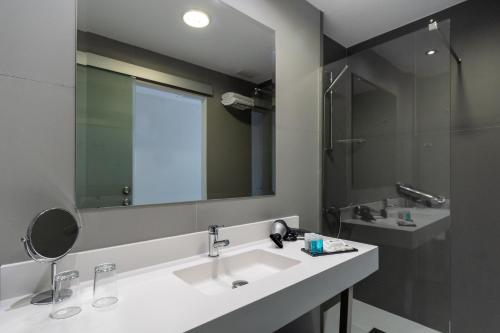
x: 51, y: 235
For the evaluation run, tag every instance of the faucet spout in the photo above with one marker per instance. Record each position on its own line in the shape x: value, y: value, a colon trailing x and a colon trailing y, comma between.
x: 221, y: 243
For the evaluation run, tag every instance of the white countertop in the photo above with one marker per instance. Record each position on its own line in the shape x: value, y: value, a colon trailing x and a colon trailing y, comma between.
x: 153, y: 299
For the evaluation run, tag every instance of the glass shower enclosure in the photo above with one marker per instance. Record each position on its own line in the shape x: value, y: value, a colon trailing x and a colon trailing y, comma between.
x: 387, y: 129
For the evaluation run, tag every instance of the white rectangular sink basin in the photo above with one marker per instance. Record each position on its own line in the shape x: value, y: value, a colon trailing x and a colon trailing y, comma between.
x: 218, y: 275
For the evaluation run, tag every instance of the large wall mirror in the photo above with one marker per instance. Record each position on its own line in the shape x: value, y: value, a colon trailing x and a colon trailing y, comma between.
x: 175, y: 102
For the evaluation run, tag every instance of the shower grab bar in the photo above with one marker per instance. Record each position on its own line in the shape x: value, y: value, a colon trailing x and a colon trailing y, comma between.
x: 418, y: 195
x: 358, y: 141
x: 333, y: 82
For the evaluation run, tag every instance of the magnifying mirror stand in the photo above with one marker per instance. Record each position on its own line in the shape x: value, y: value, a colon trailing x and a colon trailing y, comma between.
x: 46, y: 297
x: 50, y: 236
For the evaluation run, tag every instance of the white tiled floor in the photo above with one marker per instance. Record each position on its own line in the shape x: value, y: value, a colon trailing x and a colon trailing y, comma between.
x: 366, y: 317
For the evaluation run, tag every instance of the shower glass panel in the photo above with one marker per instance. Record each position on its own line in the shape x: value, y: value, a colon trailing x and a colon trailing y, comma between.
x: 104, y: 108
x: 373, y: 116
x: 389, y: 116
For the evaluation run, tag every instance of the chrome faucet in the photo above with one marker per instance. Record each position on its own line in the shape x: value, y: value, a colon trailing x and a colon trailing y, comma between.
x: 213, y: 241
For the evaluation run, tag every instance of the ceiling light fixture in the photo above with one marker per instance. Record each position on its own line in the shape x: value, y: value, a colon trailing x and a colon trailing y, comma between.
x: 431, y: 52
x: 196, y: 19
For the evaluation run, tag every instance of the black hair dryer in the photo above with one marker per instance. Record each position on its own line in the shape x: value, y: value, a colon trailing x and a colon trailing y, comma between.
x: 280, y: 232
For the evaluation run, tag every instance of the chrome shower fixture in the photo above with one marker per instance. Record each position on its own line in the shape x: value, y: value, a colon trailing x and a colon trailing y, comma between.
x: 329, y: 90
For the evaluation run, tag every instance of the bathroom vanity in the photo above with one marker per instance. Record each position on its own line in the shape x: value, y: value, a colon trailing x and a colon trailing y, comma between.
x: 172, y: 285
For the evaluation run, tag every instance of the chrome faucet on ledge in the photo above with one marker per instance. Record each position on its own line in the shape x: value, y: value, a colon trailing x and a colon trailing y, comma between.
x: 213, y: 241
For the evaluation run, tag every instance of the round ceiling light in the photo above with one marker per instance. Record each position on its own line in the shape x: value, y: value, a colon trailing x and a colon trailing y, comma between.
x: 196, y: 19
x: 431, y: 52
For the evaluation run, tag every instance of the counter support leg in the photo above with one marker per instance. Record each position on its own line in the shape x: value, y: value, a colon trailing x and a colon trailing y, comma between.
x: 345, y: 311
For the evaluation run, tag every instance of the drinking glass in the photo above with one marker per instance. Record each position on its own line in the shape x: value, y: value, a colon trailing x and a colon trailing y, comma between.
x: 66, y: 298
x: 105, y: 286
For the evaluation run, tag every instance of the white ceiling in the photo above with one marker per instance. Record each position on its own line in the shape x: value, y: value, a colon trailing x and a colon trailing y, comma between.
x: 350, y: 22
x: 232, y: 43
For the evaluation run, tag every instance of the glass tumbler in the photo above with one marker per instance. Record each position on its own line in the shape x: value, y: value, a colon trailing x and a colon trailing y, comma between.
x: 105, y: 286
x: 66, y: 298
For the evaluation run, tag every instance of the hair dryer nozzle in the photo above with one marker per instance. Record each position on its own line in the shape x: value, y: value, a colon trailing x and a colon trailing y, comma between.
x: 277, y: 240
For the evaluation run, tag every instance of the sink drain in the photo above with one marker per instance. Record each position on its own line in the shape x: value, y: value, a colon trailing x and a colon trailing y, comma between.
x: 239, y: 283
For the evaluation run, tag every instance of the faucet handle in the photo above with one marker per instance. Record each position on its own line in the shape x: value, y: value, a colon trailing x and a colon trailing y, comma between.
x: 214, y: 228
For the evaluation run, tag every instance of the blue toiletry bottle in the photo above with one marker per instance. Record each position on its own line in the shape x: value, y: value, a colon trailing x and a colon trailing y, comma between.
x: 317, y: 246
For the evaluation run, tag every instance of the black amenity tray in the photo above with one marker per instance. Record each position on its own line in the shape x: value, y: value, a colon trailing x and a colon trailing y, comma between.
x: 328, y: 253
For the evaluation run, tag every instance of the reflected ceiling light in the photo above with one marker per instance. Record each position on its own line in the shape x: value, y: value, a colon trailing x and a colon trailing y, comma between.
x: 431, y: 52
x: 196, y: 19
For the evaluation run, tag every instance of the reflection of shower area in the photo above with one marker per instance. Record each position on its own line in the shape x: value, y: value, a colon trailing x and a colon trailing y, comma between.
x: 387, y: 121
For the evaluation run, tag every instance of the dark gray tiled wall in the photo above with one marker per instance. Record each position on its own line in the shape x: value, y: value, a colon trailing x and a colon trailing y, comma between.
x: 332, y: 51
x: 475, y: 162
x: 475, y: 184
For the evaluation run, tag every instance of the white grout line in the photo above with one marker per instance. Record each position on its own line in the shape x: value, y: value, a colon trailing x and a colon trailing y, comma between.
x: 196, y: 217
x: 10, y: 76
